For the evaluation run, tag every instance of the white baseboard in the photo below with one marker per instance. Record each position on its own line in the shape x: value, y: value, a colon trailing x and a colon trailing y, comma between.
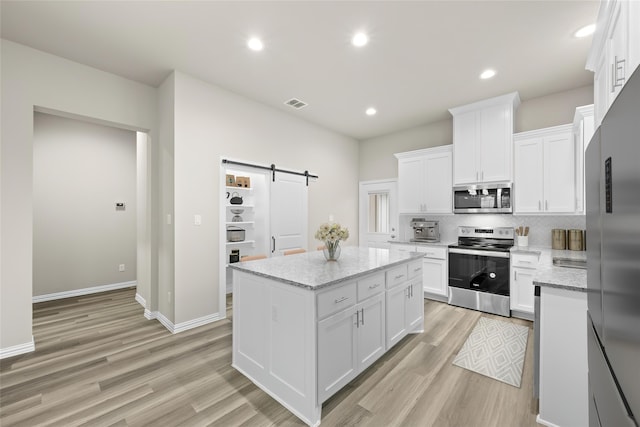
x: 184, y: 326
x: 141, y: 300
x: 150, y: 314
x: 84, y: 291
x: 545, y: 423
x: 17, y: 349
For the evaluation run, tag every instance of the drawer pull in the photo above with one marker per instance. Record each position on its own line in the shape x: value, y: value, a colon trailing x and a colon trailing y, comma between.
x: 400, y: 276
x: 374, y: 286
x: 525, y: 262
x: 417, y: 269
x: 339, y: 300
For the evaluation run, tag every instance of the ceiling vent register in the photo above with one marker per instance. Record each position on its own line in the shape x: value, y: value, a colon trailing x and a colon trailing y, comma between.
x: 296, y: 103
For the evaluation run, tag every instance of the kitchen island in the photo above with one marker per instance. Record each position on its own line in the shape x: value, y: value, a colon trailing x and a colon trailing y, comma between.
x: 304, y: 327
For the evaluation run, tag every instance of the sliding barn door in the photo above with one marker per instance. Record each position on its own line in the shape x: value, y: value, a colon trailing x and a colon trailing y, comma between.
x: 289, y: 210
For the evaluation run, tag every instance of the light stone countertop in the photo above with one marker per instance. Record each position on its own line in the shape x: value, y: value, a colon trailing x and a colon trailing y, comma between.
x: 573, y: 279
x: 311, y: 270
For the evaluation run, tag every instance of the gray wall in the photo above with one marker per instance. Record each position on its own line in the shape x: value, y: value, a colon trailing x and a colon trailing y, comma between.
x: 29, y: 79
x: 79, y: 171
x: 376, y: 154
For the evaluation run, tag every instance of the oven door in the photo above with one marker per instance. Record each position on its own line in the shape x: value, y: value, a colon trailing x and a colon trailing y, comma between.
x: 479, y: 270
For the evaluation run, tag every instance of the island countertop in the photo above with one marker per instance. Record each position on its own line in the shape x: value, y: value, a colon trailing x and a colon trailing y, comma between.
x: 311, y: 270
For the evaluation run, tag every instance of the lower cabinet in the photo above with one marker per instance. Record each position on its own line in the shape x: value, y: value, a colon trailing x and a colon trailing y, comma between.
x: 348, y: 342
x: 405, y: 310
x: 523, y: 270
x: 435, y: 273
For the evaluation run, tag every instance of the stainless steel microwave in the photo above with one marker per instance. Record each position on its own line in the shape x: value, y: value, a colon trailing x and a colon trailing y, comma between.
x: 483, y: 198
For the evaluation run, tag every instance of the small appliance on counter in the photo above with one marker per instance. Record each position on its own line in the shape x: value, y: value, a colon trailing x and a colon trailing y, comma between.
x: 235, y: 234
x: 425, y: 231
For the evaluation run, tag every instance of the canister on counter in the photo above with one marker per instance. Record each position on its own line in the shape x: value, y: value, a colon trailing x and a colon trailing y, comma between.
x: 575, y: 239
x: 558, y: 239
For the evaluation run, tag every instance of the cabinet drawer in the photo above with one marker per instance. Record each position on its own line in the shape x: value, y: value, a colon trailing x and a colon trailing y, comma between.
x: 396, y: 276
x: 524, y: 260
x: 370, y: 285
x: 433, y: 252
x: 336, y: 299
x: 414, y: 269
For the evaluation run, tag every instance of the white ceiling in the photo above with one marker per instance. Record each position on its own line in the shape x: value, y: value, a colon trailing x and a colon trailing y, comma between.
x: 423, y: 56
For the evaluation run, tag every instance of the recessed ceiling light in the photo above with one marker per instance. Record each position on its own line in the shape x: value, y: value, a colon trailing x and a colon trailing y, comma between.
x: 255, y: 43
x: 487, y: 74
x: 371, y: 111
x: 360, y: 39
x: 585, y: 31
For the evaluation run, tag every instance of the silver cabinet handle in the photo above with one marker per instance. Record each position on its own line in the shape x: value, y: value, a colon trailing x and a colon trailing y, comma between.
x: 515, y: 275
x: 539, y: 205
x: 417, y: 269
x: 357, y: 318
x: 273, y: 240
x: 393, y: 236
x: 339, y: 300
x: 400, y: 276
x: 482, y: 176
x: 546, y: 205
x: 362, y: 318
x: 374, y: 286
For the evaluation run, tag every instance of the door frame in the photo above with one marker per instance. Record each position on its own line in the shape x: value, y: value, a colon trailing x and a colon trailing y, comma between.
x: 364, y: 188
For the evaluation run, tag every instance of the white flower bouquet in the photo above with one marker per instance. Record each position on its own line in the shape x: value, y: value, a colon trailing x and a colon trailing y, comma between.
x: 331, y: 234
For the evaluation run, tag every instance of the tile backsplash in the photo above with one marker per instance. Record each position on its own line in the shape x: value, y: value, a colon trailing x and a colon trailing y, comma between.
x: 540, y: 226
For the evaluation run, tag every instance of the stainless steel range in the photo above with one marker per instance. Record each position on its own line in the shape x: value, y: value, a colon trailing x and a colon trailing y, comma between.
x: 479, y: 269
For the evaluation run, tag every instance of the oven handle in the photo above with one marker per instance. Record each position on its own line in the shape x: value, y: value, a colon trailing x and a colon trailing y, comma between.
x: 481, y: 253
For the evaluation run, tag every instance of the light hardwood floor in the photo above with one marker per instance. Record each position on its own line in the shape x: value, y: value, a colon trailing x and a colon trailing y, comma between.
x: 99, y: 362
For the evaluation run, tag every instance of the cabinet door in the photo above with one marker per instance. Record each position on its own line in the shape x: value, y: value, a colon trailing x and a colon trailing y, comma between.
x: 617, y: 51
x: 496, y: 137
x: 337, y: 359
x: 414, y: 313
x: 522, y: 289
x: 465, y: 138
x: 438, y: 187
x: 434, y: 276
x: 411, y: 185
x: 529, y: 184
x: 559, y: 173
x: 395, y: 315
x: 371, y: 343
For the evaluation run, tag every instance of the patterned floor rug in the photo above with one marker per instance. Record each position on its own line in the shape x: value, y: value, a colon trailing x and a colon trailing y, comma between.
x: 495, y: 349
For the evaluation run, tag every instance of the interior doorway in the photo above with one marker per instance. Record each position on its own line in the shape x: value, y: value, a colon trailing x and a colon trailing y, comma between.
x: 378, y: 213
x: 90, y: 196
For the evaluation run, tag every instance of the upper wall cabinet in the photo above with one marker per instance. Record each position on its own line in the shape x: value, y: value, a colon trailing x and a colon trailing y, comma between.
x: 424, y: 181
x: 482, y: 140
x: 545, y: 171
x: 615, y: 51
x: 583, y: 129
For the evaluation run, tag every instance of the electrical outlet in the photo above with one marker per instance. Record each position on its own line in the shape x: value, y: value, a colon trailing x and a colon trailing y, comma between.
x: 121, y: 267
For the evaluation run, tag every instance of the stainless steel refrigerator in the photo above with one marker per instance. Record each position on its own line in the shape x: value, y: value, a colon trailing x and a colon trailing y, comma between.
x: 612, y: 167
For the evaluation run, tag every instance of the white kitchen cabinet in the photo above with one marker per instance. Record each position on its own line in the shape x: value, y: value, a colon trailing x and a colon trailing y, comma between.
x: 615, y: 51
x: 404, y: 310
x: 337, y: 357
x: 348, y: 342
x: 482, y: 140
x: 435, y: 272
x: 545, y: 175
x: 424, y: 180
x: 583, y: 129
x: 523, y: 270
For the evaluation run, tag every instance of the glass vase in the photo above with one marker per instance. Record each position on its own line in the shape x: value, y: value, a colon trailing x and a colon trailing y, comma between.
x: 331, y: 251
